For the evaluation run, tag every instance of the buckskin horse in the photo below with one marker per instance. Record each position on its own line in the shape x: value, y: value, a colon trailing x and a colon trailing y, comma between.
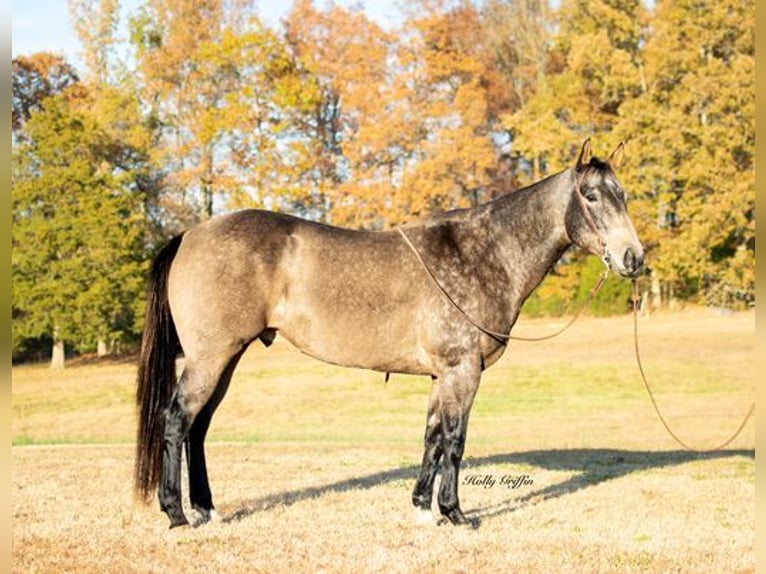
x: 437, y: 297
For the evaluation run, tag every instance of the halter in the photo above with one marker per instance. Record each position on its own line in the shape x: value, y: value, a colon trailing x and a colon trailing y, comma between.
x: 604, y: 255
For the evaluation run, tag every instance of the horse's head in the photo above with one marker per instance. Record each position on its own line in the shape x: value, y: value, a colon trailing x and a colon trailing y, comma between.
x: 597, y: 218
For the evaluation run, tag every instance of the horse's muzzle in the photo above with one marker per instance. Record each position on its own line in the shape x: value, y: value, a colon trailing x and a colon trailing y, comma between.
x: 633, y: 262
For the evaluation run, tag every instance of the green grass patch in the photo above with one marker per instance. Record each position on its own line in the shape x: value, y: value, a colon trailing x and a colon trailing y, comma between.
x: 281, y: 395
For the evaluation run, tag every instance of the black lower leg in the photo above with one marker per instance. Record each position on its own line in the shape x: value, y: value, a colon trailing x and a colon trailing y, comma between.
x: 199, y: 486
x: 170, y: 485
x: 424, y: 487
x: 449, y: 503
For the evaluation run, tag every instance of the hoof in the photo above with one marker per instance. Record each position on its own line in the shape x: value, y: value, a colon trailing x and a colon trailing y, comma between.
x: 458, y: 518
x: 423, y: 516
x: 178, y: 521
x: 202, y: 516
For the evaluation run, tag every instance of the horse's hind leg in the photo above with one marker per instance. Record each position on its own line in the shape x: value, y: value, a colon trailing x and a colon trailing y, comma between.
x: 199, y: 487
x: 196, y: 387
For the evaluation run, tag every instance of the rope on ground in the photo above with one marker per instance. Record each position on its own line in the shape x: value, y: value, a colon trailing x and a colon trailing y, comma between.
x: 685, y: 445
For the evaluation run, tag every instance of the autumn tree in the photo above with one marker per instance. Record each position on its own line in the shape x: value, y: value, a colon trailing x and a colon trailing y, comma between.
x: 95, y: 23
x: 595, y: 66
x: 213, y: 79
x: 432, y: 134
x: 35, y: 78
x: 518, y: 37
x: 693, y: 130
x: 451, y: 81
x: 342, y: 56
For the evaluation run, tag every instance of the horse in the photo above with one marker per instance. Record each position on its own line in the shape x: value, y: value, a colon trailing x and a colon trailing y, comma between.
x: 436, y: 297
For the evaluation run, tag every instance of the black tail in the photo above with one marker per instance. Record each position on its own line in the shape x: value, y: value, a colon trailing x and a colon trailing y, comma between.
x: 156, y: 372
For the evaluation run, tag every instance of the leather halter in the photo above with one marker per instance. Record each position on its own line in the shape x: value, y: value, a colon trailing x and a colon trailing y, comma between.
x: 604, y: 254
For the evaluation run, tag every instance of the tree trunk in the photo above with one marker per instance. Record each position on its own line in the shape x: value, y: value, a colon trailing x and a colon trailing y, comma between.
x: 656, y: 289
x: 101, y: 348
x: 57, y: 354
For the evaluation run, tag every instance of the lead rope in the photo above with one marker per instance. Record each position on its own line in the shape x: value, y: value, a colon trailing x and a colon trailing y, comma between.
x: 727, y: 442
x: 589, y: 298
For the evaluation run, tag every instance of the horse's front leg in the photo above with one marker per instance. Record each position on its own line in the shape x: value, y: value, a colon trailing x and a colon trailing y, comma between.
x: 424, y: 487
x: 457, y: 390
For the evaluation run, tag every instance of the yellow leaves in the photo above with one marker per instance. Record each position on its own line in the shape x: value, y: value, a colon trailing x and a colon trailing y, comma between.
x: 695, y: 129
x: 606, y: 73
x: 294, y: 92
x: 540, y: 135
x: 95, y: 22
x: 341, y: 48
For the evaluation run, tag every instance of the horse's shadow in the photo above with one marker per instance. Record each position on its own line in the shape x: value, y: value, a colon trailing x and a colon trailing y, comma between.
x: 591, y: 467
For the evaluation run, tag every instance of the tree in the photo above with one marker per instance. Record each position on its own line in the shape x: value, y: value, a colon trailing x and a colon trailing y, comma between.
x: 343, y: 57
x: 35, y: 78
x: 595, y: 66
x: 450, y: 92
x: 95, y: 22
x: 213, y: 78
x: 519, y: 33
x: 695, y: 129
x: 77, y: 259
x: 430, y: 139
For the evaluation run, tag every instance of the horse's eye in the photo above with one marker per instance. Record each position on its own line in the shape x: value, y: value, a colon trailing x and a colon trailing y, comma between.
x: 591, y: 197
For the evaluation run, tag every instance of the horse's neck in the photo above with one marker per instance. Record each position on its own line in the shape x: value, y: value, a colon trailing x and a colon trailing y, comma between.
x: 505, y: 246
x: 529, y: 227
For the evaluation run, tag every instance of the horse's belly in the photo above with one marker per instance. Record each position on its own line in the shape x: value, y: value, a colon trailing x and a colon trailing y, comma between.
x: 350, y: 300
x: 363, y: 340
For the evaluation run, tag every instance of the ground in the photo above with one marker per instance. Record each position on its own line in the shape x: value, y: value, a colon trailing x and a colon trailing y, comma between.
x: 312, y: 466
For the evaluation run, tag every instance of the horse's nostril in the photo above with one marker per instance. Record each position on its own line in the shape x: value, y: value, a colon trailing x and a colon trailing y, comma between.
x: 629, y: 259
x: 633, y: 261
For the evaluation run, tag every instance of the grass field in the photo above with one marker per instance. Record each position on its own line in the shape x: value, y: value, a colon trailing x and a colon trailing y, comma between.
x: 312, y: 466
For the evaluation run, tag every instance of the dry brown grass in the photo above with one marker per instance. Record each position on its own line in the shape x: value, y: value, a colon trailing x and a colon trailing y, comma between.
x: 312, y: 466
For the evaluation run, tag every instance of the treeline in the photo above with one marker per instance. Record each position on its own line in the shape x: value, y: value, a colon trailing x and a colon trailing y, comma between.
x: 204, y: 109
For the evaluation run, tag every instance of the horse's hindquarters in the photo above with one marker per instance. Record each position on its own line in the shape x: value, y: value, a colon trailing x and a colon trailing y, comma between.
x: 224, y: 280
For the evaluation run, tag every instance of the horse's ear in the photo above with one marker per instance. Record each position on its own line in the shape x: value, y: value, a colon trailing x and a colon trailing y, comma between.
x: 585, y: 154
x: 615, y: 158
